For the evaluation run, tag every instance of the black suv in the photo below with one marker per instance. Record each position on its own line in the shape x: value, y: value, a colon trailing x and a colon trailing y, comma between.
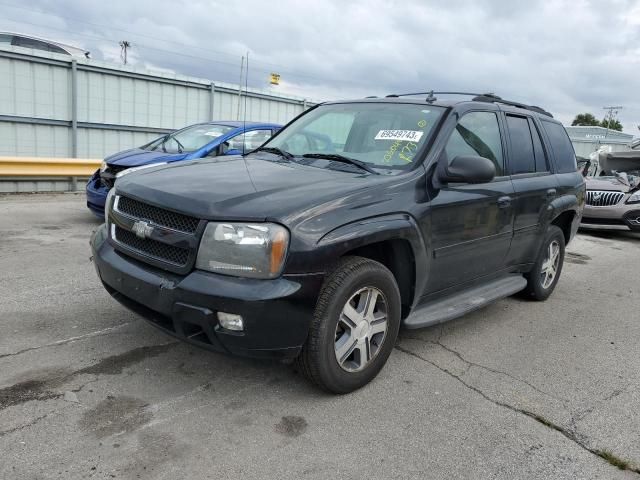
x: 357, y: 218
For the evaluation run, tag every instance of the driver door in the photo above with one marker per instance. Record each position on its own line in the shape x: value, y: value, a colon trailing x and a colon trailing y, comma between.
x: 471, y: 224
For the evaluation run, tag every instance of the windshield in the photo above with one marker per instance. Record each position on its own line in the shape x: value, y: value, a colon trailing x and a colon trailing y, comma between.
x: 188, y: 139
x: 382, y: 135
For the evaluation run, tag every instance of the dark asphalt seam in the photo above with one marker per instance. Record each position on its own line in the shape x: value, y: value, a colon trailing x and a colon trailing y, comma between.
x: 26, y: 425
x: 109, y: 331
x: 606, y: 456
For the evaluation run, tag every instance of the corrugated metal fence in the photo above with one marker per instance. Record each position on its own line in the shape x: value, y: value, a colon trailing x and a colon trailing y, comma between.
x: 55, y: 106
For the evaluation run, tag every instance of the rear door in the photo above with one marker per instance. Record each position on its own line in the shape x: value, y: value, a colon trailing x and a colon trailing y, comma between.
x: 535, y: 186
x: 471, y: 224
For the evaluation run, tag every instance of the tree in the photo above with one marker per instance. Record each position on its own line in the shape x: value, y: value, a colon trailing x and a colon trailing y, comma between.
x: 612, y: 124
x: 586, y: 120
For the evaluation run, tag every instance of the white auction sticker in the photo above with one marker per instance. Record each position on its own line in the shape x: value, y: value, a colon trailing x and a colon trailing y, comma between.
x: 410, y: 135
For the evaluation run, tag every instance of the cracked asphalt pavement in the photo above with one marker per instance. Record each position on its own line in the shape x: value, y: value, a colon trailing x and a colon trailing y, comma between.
x: 517, y: 390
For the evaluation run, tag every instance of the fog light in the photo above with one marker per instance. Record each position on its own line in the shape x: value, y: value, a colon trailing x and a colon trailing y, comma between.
x: 231, y: 321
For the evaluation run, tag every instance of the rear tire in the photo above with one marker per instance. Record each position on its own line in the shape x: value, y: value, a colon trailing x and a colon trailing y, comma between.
x: 543, y: 277
x: 354, y: 328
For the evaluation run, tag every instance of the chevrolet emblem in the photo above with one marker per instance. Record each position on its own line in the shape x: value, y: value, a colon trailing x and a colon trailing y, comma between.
x: 142, y: 229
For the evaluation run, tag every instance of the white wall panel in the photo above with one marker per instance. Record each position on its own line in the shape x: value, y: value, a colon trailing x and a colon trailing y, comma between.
x: 38, y: 87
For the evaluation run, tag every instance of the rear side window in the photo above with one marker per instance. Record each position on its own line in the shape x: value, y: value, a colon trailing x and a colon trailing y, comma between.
x: 477, y: 133
x: 561, y: 145
x: 521, y: 159
x: 542, y: 165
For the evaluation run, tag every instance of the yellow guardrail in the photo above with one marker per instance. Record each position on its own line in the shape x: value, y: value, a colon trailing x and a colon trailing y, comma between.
x: 47, y: 167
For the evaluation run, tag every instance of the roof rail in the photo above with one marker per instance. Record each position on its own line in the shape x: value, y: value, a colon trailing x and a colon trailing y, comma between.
x: 477, y: 97
x: 489, y: 97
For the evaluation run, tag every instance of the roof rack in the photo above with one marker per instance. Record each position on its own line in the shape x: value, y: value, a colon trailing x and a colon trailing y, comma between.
x: 477, y: 97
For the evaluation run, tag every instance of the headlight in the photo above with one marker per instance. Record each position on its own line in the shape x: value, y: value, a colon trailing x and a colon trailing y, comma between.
x: 107, y: 204
x: 254, y: 250
x: 103, y: 166
x: 121, y: 173
x: 635, y: 198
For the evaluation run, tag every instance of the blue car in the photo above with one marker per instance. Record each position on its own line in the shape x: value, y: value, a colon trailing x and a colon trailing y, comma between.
x: 197, y: 141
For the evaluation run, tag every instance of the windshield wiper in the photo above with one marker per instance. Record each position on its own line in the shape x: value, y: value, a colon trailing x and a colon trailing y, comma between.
x: 180, y: 146
x: 275, y: 150
x: 342, y: 158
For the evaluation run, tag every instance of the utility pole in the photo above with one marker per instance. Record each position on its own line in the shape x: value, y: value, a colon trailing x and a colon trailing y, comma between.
x: 613, y: 111
x: 124, y: 46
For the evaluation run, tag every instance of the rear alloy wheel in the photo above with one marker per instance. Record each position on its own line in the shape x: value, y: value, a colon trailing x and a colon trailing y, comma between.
x: 355, y: 326
x: 550, y: 265
x: 543, y: 277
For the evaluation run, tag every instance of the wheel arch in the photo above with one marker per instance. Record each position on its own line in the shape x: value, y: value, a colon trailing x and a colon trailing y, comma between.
x: 564, y: 214
x: 395, y: 241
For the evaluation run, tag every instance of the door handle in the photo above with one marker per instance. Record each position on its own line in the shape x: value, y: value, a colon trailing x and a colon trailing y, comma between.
x: 504, y: 202
x: 551, y: 193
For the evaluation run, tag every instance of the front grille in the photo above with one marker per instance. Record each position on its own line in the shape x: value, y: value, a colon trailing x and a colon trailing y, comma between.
x: 161, y: 251
x: 159, y: 216
x: 597, y: 198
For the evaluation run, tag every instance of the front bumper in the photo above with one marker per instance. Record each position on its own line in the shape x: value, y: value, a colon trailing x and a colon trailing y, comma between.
x: 96, y: 195
x: 625, y: 217
x: 277, y: 313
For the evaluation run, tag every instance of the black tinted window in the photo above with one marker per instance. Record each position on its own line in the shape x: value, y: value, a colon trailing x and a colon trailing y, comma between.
x: 541, y: 159
x: 477, y: 133
x: 522, y: 159
x: 561, y: 146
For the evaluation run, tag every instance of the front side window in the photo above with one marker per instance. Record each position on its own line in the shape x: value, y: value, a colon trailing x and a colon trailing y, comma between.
x: 252, y: 140
x: 383, y: 135
x: 477, y: 133
x: 189, y: 139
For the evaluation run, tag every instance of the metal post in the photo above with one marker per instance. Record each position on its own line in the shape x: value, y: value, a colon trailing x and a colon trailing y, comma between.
x: 212, y: 100
x: 74, y: 118
x: 74, y: 108
x: 304, y: 105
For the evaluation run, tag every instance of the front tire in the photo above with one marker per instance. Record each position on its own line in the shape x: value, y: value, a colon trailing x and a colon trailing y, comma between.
x: 354, y: 328
x: 544, y: 276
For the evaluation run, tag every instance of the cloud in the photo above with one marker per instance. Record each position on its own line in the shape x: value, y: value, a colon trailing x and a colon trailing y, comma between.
x: 566, y: 56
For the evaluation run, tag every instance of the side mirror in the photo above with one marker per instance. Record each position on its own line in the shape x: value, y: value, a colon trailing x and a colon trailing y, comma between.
x: 467, y: 169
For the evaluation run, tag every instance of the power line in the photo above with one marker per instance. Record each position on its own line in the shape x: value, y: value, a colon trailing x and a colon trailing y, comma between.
x: 180, y: 54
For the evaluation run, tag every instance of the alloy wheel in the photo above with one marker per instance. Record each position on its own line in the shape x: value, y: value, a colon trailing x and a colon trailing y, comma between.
x: 550, y: 264
x: 361, y: 329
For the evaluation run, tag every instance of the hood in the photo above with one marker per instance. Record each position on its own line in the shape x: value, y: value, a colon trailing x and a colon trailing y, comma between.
x: 608, y: 184
x: 620, y: 161
x: 250, y: 189
x: 136, y: 157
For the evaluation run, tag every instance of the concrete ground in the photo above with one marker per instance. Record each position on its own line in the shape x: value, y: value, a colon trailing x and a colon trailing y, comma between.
x: 517, y: 390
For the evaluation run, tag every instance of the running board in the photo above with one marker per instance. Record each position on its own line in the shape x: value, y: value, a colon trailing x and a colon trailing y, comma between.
x: 461, y: 303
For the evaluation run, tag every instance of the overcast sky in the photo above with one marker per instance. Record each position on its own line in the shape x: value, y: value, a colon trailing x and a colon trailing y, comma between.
x: 566, y: 56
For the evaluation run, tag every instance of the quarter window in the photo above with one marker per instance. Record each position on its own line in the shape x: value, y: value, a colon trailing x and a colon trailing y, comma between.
x: 477, y: 133
x: 563, y: 151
